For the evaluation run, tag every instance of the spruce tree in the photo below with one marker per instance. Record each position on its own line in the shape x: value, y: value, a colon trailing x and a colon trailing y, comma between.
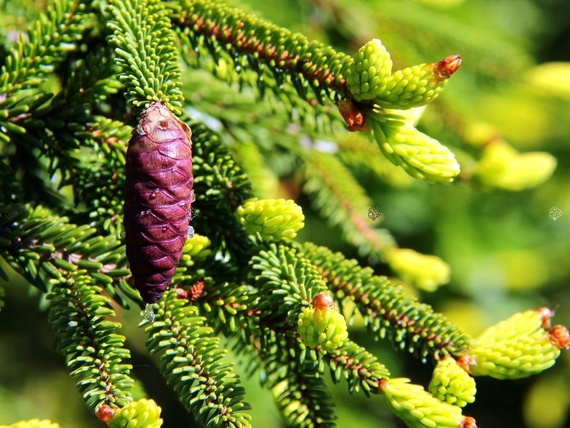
x: 76, y: 89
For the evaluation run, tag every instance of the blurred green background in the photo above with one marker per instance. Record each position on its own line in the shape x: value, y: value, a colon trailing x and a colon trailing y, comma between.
x: 506, y: 252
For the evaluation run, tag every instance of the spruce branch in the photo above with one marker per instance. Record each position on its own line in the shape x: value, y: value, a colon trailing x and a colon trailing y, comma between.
x: 418, y: 408
x: 360, y: 368
x: 343, y: 202
x: 63, y: 133
x: 51, y: 37
x: 230, y: 307
x: 518, y: 347
x: 286, y: 281
x: 418, y: 154
x: 93, y: 350
x: 96, y: 180
x: 291, y: 371
x: 42, y: 246
x: 375, y: 90
x: 220, y: 186
x: 387, y: 311
x: 145, y: 48
x: 297, y: 386
x: 48, y: 43
x: 321, y: 325
x: 53, y: 129
x: 192, y: 363
x: 281, y: 353
x: 370, y: 80
x: 232, y: 311
x: 263, y: 179
x: 356, y: 152
x: 279, y: 58
x: 451, y: 383
x: 285, y: 272
x: 473, y: 38
x: 10, y: 191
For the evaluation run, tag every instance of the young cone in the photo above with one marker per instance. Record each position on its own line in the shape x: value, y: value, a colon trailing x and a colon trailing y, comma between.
x: 158, y: 197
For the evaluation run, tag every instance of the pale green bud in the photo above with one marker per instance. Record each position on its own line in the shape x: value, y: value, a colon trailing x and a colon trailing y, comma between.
x: 503, y: 167
x: 452, y: 384
x: 137, y: 414
x: 419, y: 155
x: 324, y: 326
x: 412, y: 115
x: 443, y: 4
x: 520, y: 324
x: 418, y: 85
x: 272, y: 219
x: 426, y: 272
x: 368, y: 75
x: 32, y: 423
x: 551, y: 79
x: 196, y: 248
x: 418, y: 408
x: 518, y: 347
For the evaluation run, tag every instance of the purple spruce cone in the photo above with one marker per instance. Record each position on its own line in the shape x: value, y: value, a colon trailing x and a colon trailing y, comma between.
x: 158, y: 197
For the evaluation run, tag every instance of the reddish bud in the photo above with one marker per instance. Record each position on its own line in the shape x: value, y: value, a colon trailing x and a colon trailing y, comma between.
x: 382, y: 384
x: 545, y: 315
x: 445, y: 68
x: 323, y: 301
x: 466, y: 361
x: 468, y: 422
x: 104, y: 412
x: 352, y: 116
x: 181, y: 293
x: 559, y: 337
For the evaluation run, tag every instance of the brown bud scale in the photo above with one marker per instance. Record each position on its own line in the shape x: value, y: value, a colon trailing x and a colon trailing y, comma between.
x: 352, y: 116
x: 158, y: 198
x: 323, y: 301
x: 468, y: 422
x: 104, y: 413
x: 545, y: 314
x: 445, y: 68
x: 466, y: 361
x: 559, y: 336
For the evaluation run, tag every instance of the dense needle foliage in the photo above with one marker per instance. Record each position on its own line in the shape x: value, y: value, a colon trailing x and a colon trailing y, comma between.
x: 377, y: 185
